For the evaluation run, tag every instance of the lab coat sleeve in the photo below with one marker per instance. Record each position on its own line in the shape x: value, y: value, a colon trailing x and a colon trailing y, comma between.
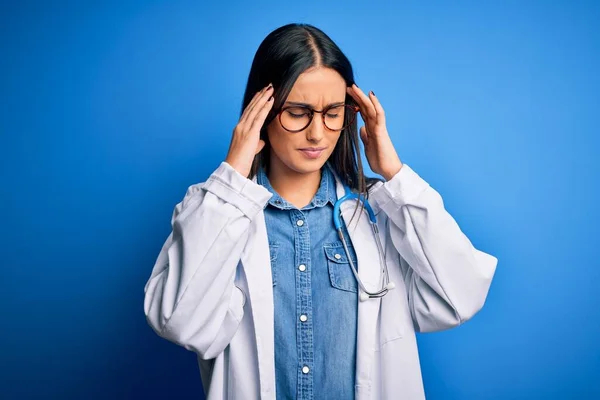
x: 190, y: 297
x: 447, y: 279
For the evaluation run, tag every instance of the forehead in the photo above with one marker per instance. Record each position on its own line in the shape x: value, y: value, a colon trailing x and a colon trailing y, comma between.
x: 317, y: 86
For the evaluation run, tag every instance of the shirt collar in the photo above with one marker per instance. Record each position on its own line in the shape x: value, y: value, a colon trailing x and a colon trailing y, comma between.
x: 325, y: 194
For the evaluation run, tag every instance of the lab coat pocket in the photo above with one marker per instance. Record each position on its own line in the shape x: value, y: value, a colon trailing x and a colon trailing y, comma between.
x: 393, y: 318
x: 338, y: 264
x: 237, y: 302
x: 394, y: 312
x: 273, y: 248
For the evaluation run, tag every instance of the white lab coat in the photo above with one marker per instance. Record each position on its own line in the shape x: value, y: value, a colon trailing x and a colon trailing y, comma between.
x: 210, y: 290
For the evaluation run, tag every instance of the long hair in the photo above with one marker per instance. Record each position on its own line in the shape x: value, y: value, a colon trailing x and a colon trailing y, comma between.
x: 283, y: 55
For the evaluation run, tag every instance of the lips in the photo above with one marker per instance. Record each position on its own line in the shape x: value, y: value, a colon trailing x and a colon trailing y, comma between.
x: 312, y: 152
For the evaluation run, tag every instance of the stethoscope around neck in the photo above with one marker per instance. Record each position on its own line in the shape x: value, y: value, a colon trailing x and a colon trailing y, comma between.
x: 385, y: 284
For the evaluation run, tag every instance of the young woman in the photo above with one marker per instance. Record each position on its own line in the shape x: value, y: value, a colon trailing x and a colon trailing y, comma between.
x: 258, y: 282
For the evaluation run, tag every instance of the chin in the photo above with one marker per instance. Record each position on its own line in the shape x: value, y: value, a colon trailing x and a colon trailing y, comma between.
x: 305, y: 166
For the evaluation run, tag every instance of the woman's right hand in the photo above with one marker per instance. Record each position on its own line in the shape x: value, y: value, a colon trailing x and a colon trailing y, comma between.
x: 246, y: 141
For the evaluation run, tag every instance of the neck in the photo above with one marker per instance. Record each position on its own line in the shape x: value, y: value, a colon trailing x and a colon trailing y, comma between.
x: 295, y: 187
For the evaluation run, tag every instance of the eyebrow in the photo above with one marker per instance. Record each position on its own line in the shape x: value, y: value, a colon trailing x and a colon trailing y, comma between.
x: 294, y: 103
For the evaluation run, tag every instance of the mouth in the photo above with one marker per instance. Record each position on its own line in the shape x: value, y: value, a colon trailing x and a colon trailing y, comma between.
x: 312, y: 152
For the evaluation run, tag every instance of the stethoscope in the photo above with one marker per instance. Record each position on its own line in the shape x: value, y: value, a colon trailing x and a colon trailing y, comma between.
x: 385, y: 284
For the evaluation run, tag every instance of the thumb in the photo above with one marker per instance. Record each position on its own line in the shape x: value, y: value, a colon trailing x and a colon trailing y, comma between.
x: 259, y: 146
x: 363, y: 135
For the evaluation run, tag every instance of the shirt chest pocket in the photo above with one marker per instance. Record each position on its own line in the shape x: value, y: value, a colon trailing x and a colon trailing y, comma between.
x: 338, y: 265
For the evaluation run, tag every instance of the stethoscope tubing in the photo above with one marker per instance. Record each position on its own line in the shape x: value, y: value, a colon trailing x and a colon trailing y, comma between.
x: 385, y: 283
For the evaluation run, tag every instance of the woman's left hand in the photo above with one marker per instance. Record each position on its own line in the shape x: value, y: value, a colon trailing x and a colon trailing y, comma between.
x: 381, y: 155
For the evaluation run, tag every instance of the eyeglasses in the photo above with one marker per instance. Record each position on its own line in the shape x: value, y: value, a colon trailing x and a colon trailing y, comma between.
x: 336, y: 117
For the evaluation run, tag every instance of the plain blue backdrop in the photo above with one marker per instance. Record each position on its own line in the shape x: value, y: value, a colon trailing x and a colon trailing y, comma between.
x: 109, y: 113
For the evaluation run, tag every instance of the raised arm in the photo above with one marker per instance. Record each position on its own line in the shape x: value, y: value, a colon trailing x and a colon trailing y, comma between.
x: 190, y: 297
x: 447, y: 278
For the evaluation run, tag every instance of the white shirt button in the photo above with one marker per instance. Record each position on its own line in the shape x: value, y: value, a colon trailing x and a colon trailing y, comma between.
x: 302, y: 267
x: 303, y: 318
x: 337, y: 256
x: 300, y: 222
x: 305, y: 369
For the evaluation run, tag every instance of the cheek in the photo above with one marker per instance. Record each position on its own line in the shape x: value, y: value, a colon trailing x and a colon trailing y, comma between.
x: 280, y: 141
x: 336, y: 138
x: 334, y: 141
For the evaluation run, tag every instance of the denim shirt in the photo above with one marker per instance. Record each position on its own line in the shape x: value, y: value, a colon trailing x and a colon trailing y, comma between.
x: 315, y: 296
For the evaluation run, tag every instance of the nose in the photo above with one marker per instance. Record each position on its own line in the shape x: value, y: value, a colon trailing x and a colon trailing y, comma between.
x: 316, y: 129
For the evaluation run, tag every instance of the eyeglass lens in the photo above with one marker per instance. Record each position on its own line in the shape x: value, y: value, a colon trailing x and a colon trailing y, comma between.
x: 298, y: 118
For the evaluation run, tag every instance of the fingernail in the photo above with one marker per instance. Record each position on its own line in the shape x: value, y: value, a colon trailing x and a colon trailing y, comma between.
x: 373, y: 93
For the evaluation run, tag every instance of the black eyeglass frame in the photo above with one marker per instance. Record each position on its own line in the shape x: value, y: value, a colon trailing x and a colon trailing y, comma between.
x: 352, y: 108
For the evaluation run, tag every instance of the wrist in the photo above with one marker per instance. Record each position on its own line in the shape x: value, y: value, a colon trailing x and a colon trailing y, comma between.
x: 389, y: 173
x: 239, y: 167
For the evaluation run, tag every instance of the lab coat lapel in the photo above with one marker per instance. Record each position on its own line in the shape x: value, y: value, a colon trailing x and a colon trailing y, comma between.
x: 359, y: 231
x: 256, y: 262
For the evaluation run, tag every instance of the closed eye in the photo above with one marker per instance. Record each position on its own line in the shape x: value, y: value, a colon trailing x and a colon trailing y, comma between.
x: 297, y: 112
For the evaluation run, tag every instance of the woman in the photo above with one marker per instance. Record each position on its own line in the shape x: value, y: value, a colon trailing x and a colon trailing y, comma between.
x: 254, y: 277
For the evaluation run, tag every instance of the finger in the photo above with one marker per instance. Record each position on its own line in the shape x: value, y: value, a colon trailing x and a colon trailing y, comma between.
x: 250, y: 123
x: 261, y: 115
x: 252, y: 105
x: 261, y: 109
x: 246, y: 116
x: 258, y: 106
x: 380, y: 117
x: 366, y: 106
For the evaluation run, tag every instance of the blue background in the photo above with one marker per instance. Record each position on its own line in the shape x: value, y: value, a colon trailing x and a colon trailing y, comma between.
x: 109, y: 113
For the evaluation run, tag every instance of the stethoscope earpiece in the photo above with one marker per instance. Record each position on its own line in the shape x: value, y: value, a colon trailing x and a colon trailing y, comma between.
x: 391, y: 285
x: 364, y: 296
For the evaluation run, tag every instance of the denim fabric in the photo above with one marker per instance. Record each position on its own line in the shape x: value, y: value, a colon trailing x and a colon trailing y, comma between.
x: 315, y: 296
